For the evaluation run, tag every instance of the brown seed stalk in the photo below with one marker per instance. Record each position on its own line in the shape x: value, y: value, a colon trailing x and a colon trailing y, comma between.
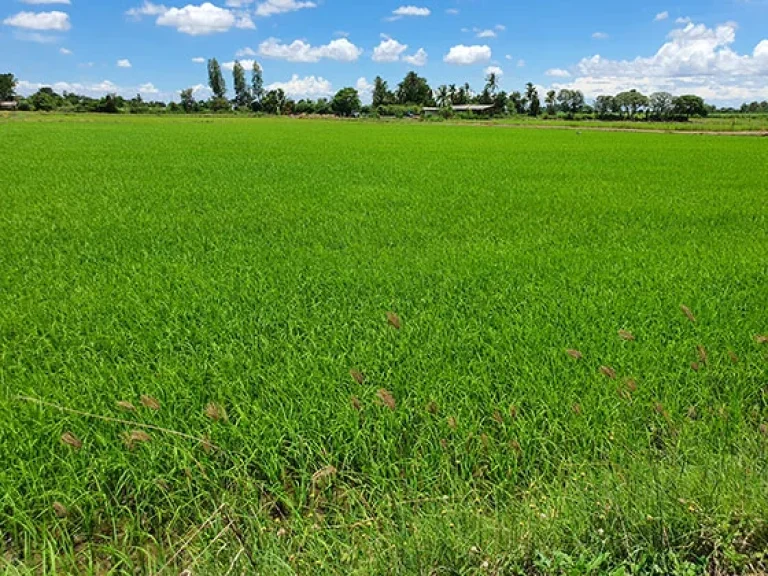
x: 125, y: 405
x: 688, y: 313
x: 695, y: 366
x: 386, y: 398
x: 575, y: 354
x: 513, y: 411
x: 702, y: 353
x: 60, y: 510
x: 764, y: 429
x: 608, y: 371
x: 136, y: 437
x: 625, y: 335
x: 393, y: 320
x: 631, y: 385
x: 452, y: 423
x: 71, y: 440
x: 323, y: 473
x: 357, y: 376
x: 433, y: 408
x: 498, y: 417
x: 734, y: 358
x: 576, y: 409
x: 355, y: 401
x: 761, y: 339
x: 216, y: 412
x: 150, y: 402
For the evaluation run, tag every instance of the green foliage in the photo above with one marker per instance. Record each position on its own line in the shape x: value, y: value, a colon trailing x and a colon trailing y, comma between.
x: 414, y: 90
x: 346, y: 102
x: 8, y: 84
x: 216, y: 80
x: 381, y: 94
x: 257, y: 86
x: 242, y: 93
x: 245, y: 267
x: 187, y: 98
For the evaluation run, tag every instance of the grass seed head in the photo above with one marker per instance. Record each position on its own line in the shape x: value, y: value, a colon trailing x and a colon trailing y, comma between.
x: 692, y: 413
x: 71, y: 440
x: 323, y: 474
x: 575, y: 354
x: 135, y: 437
x: 433, y: 408
x: 205, y: 442
x: 386, y: 398
x: 452, y: 423
x: 125, y: 405
x: 355, y: 401
x: 515, y: 445
x: 393, y: 320
x: 702, y: 353
x: 631, y: 385
x: 761, y: 339
x: 764, y: 429
x: 688, y: 313
x: 216, y: 412
x: 513, y: 411
x: 498, y: 417
x: 357, y: 376
x: 150, y: 402
x: 608, y: 371
x: 576, y: 409
x: 60, y: 510
x: 625, y: 335
x: 695, y: 366
x: 732, y: 355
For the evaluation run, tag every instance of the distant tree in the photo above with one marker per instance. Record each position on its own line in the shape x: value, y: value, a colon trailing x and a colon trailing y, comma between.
x: 216, y: 79
x: 485, y: 97
x: 381, y: 94
x: 605, y: 106
x: 8, y: 84
x: 500, y: 101
x: 346, y: 102
x: 661, y: 105
x: 242, y: 93
x: 570, y: 101
x: 689, y: 105
x: 492, y: 83
x: 45, y: 99
x: 452, y: 94
x: 517, y: 102
x: 441, y: 96
x: 632, y: 102
x: 110, y: 104
x: 551, y: 101
x: 187, y: 98
x: 137, y: 105
x: 257, y: 87
x: 274, y: 101
x: 532, y: 95
x: 414, y: 90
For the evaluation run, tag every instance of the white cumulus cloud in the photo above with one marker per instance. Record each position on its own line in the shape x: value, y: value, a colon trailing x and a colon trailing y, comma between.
x: 55, y: 20
x: 494, y: 70
x: 389, y: 50
x: 271, y: 7
x: 198, y: 20
x: 308, y: 87
x: 462, y: 55
x: 419, y: 58
x: 558, y: 73
x: 65, y: 51
x: 124, y: 63
x: 695, y: 59
x: 198, y: 60
x: 411, y: 11
x: 600, y: 36
x: 661, y: 16
x: 341, y: 50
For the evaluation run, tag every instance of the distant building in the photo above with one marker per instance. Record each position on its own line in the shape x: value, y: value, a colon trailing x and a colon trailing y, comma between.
x: 10, y: 105
x: 474, y: 108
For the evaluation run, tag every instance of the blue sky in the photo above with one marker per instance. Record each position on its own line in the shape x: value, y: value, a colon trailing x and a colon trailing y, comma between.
x: 718, y: 49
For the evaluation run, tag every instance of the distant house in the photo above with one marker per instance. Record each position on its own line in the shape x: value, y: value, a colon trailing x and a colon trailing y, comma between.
x: 10, y: 105
x: 473, y: 108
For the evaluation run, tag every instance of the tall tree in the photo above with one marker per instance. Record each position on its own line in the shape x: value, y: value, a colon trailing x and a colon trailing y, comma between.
x: 381, y: 94
x: 532, y: 95
x: 632, y: 102
x: 257, y: 85
x: 7, y: 87
x: 441, y: 96
x: 517, y: 101
x: 242, y: 94
x: 216, y: 79
x: 689, y: 105
x: 492, y: 83
x: 661, y: 104
x: 187, y: 98
x: 452, y: 93
x: 551, y: 102
x: 346, y: 102
x: 414, y: 90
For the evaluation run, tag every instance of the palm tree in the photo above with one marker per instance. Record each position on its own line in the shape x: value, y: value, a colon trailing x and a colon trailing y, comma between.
x: 550, y: 101
x: 452, y: 93
x: 441, y: 96
x: 492, y: 83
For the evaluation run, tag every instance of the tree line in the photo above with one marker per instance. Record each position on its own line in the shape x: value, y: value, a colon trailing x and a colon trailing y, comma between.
x: 408, y: 97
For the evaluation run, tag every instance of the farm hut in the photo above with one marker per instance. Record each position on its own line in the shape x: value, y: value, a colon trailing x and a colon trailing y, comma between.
x: 459, y: 108
x: 10, y: 105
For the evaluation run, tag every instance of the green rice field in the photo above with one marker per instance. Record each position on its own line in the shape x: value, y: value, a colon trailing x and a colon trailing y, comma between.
x: 252, y: 346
